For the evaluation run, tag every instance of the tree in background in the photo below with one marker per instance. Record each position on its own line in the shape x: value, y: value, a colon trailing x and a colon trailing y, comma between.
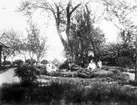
x: 85, y: 37
x: 32, y: 44
x: 114, y: 54
x: 35, y: 46
x: 61, y: 12
x: 121, y: 12
x: 64, y: 15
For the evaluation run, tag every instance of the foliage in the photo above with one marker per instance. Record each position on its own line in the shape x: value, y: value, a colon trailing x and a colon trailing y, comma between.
x: 63, y: 74
x: 44, y: 61
x: 30, y: 61
x: 64, y: 65
x: 13, y: 41
x: 85, y: 73
x: 27, y: 74
x: 125, y: 62
x: 18, y: 62
x: 56, y: 62
x: 60, y: 12
x: 123, y: 12
x: 118, y: 55
x: 85, y: 37
x: 70, y: 93
x: 35, y: 45
x: 6, y: 63
x: 42, y: 69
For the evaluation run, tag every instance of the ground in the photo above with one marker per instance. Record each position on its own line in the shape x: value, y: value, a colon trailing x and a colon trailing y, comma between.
x: 101, y: 88
x: 8, y: 76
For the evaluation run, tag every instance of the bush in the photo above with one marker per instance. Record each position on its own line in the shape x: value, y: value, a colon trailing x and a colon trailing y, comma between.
x: 63, y: 74
x: 30, y: 61
x: 42, y: 69
x: 44, y: 62
x: 27, y: 74
x: 84, y: 73
x: 64, y: 65
x: 6, y: 63
x: 124, y: 62
x: 18, y: 62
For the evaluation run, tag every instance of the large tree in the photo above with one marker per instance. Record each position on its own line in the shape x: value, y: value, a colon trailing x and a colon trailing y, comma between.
x: 62, y: 14
x: 86, y: 37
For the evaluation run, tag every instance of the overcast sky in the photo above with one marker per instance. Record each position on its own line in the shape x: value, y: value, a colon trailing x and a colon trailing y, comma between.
x: 11, y: 19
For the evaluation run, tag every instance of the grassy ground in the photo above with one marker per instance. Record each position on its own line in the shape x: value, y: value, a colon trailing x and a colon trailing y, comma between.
x: 70, y: 91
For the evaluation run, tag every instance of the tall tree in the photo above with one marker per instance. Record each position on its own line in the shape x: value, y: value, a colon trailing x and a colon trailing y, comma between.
x: 62, y: 14
x: 86, y: 37
x: 35, y: 45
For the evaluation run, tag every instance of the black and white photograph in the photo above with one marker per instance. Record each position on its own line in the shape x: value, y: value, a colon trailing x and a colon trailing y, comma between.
x: 68, y: 52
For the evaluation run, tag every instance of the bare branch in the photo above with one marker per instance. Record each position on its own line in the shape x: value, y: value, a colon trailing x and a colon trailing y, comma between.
x: 74, y: 8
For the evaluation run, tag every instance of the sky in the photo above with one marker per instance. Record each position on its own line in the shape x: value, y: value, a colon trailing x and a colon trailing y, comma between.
x: 11, y: 19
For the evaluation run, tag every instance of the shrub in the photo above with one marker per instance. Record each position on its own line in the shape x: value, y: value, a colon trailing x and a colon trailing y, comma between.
x: 64, y: 65
x: 6, y: 63
x: 42, y: 69
x: 84, y: 73
x: 28, y: 74
x: 18, y: 62
x: 30, y: 61
x: 63, y: 74
x: 44, y: 62
x: 124, y: 62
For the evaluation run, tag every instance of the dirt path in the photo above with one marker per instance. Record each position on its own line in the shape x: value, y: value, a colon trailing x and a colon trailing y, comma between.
x: 8, y: 77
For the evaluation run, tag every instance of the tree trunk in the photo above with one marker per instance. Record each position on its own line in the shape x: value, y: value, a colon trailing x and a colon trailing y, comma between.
x: 0, y: 54
x: 68, y: 34
x: 135, y: 61
x: 136, y: 69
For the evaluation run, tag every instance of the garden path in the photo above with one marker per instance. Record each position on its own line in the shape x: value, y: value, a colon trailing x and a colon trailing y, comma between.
x: 8, y: 77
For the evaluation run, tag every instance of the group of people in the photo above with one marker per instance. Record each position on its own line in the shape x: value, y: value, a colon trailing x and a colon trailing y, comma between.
x: 93, y: 66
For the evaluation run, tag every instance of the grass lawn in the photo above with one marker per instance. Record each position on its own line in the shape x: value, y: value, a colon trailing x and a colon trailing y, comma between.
x: 70, y: 91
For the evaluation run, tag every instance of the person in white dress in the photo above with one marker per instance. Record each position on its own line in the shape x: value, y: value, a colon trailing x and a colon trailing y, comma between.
x: 91, y: 65
x: 100, y: 64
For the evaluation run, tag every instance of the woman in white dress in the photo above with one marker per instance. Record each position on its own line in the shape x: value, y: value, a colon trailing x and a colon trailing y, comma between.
x: 91, y: 65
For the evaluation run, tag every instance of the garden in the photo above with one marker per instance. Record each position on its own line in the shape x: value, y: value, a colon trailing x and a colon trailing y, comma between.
x: 88, y: 70
x: 104, y: 86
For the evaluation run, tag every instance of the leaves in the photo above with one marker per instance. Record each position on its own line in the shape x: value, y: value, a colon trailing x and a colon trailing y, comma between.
x: 35, y: 46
